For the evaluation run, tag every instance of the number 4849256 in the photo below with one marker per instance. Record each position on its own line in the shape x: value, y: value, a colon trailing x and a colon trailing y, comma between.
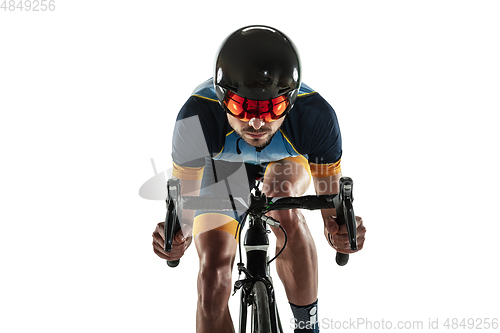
x: 28, y: 5
x: 471, y: 323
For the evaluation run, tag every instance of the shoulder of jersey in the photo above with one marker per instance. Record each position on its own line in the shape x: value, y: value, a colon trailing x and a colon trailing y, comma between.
x: 305, y: 90
x: 206, y: 91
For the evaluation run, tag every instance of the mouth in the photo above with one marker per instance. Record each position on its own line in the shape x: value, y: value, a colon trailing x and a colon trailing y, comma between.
x: 256, y: 135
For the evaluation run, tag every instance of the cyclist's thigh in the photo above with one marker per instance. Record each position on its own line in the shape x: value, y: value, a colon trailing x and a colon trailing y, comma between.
x: 288, y: 177
x: 222, y: 178
x: 216, y: 249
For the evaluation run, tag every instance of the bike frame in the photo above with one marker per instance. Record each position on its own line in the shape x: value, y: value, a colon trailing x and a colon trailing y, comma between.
x: 256, y: 245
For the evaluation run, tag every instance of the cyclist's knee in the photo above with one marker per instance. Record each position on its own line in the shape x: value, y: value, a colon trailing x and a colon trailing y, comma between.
x: 282, y: 188
x: 215, y: 280
x: 291, y: 220
x: 286, y: 178
x: 214, y: 288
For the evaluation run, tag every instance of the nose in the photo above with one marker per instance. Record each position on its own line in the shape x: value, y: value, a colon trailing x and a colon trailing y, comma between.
x: 256, y: 123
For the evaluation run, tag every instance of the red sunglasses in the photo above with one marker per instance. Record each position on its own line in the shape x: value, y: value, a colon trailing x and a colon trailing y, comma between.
x: 245, y: 109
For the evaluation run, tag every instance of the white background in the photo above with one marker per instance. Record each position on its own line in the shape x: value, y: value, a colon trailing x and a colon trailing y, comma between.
x: 89, y: 93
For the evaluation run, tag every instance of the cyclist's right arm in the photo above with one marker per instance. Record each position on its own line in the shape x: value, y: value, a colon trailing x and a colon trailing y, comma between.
x: 199, y: 130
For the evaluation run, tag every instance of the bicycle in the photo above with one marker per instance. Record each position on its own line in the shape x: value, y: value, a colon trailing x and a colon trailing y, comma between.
x: 257, y: 289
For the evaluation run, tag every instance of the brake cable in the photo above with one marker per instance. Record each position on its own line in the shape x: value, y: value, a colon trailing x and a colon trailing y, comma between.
x: 284, y: 245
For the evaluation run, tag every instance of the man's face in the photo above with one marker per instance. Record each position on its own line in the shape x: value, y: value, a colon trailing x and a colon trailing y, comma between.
x: 255, y: 132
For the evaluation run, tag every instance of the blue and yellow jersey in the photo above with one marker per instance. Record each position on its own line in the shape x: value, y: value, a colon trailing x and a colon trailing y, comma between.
x: 310, y: 129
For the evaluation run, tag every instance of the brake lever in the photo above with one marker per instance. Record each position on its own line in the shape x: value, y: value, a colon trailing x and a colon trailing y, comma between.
x: 345, y: 215
x: 174, y: 211
x: 349, y: 216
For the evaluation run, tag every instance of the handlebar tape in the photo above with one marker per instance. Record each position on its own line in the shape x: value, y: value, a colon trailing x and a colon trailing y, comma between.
x: 216, y: 203
x: 341, y: 258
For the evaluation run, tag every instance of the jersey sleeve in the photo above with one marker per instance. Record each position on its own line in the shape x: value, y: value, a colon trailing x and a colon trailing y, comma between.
x: 195, y: 138
x: 326, y: 144
x: 320, y: 137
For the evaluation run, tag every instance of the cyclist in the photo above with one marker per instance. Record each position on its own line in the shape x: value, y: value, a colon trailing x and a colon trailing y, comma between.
x: 256, y: 116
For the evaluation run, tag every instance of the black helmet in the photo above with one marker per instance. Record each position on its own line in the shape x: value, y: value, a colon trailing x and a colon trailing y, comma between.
x: 257, y: 64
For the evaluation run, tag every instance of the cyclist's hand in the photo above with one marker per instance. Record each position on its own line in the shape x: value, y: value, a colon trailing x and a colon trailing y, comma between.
x: 337, y: 235
x: 179, y: 245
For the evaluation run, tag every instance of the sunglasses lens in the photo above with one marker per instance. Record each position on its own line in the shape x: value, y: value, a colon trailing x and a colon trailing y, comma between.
x: 246, y: 109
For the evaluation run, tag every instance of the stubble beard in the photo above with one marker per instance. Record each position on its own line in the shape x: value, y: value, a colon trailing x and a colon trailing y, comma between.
x: 257, y: 143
